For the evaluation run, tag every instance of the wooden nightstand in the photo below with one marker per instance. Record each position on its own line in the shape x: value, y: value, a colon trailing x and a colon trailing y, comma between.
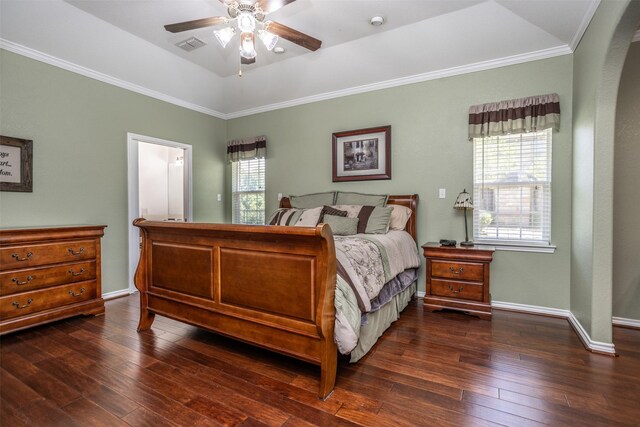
x: 458, y: 278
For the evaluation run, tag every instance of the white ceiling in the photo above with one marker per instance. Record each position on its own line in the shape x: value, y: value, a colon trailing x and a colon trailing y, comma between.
x: 124, y: 42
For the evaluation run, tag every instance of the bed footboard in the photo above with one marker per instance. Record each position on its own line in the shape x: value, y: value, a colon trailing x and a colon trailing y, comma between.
x: 269, y: 286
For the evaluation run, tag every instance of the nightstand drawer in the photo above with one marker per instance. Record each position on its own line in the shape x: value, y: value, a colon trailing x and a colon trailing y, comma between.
x: 458, y: 290
x: 457, y: 270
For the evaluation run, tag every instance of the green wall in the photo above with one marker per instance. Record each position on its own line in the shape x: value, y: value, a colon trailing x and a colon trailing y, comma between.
x: 626, y: 233
x: 598, y: 63
x: 430, y: 151
x: 79, y: 130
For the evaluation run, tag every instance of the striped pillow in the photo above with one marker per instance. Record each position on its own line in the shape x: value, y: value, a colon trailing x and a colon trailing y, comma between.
x: 328, y: 210
x: 296, y: 217
x: 285, y: 217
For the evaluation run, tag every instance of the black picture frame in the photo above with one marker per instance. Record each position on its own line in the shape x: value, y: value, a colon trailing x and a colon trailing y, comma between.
x: 16, y: 164
x: 362, y: 154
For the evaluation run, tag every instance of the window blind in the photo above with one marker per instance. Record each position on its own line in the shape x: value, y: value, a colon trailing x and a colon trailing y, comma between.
x: 248, y: 191
x: 512, y: 188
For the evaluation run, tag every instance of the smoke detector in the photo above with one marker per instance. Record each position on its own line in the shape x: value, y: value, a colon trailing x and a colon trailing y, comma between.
x: 376, y: 21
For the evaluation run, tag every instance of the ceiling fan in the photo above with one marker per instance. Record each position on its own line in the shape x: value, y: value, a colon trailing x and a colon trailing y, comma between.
x: 247, y: 16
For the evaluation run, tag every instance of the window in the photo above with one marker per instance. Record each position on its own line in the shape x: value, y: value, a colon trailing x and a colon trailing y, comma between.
x: 512, y: 189
x: 248, y: 191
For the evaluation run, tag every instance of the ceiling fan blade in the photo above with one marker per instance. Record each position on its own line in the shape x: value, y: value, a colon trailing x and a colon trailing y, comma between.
x: 269, y: 6
x: 293, y: 36
x: 198, y: 23
x: 246, y: 61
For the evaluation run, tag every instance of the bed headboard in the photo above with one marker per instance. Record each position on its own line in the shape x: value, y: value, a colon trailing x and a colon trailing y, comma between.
x: 410, y: 201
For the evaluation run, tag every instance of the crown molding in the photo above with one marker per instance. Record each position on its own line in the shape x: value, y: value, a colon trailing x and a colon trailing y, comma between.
x: 418, y: 78
x: 584, y: 24
x: 433, y: 75
x: 105, y: 78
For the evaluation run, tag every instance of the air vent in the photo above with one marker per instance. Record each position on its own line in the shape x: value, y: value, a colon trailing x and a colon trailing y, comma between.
x: 190, y: 44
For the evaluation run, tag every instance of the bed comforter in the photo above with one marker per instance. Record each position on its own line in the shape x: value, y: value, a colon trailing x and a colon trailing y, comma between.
x: 365, y: 264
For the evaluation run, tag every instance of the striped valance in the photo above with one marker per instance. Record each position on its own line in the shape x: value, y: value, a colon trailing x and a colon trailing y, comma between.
x: 247, y: 149
x: 531, y: 114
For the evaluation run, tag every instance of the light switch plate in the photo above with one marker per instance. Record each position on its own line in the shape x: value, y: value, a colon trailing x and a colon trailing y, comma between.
x: 442, y: 193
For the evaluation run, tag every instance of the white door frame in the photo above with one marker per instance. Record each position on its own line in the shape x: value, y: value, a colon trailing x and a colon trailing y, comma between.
x: 134, y: 197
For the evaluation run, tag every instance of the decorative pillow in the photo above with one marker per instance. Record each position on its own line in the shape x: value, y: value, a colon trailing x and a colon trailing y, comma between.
x: 284, y: 217
x: 328, y: 210
x: 399, y: 217
x: 343, y: 198
x: 377, y: 221
x: 371, y: 219
x: 312, y: 200
x: 309, y: 217
x: 342, y: 226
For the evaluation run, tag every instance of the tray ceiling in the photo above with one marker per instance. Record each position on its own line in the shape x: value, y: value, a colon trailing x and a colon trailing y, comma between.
x: 124, y: 42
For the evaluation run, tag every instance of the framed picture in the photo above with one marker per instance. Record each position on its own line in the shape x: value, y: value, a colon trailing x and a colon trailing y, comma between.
x: 362, y: 155
x: 16, y: 164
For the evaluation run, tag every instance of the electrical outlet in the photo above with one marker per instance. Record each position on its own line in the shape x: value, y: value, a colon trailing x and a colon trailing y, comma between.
x: 442, y: 193
x: 279, y: 196
x: 219, y: 197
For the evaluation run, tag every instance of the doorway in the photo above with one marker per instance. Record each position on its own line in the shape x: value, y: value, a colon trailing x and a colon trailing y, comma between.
x: 159, y: 181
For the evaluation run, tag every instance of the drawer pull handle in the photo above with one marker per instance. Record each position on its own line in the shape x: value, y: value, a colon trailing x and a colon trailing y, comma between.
x: 18, y: 282
x: 72, y: 252
x: 456, y: 270
x: 454, y: 291
x: 17, y: 304
x: 73, y: 294
x: 17, y: 257
x: 79, y: 273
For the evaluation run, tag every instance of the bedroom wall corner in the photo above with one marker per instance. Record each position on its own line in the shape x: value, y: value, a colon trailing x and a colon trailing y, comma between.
x: 430, y: 150
x: 626, y: 233
x: 79, y: 130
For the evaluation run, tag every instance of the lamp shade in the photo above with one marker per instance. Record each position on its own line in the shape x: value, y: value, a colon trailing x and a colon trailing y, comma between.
x: 463, y: 201
x: 224, y: 35
x: 268, y: 39
x: 247, y: 46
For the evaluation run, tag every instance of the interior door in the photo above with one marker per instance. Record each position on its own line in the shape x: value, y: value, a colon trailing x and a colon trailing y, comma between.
x: 160, y: 189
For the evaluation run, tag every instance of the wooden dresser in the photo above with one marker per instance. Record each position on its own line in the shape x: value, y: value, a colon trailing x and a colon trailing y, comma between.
x: 458, y: 278
x: 48, y: 274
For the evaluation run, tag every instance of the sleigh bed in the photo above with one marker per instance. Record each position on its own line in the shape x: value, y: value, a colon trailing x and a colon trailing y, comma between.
x: 273, y: 286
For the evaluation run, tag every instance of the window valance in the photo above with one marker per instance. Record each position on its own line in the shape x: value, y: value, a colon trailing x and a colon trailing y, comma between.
x: 247, y: 149
x: 531, y: 114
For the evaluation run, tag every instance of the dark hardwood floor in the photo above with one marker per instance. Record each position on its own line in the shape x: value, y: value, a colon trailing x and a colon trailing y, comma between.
x: 428, y: 369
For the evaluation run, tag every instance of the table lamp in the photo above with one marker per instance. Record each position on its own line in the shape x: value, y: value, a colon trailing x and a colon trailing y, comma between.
x: 464, y: 202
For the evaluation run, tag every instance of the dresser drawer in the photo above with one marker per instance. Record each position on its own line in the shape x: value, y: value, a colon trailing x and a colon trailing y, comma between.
x: 458, y: 290
x: 457, y: 270
x: 26, y: 256
x: 32, y: 302
x: 15, y: 281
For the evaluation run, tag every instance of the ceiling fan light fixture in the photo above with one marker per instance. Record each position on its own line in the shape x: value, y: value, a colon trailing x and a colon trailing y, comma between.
x: 246, y: 22
x: 247, y: 45
x: 224, y: 35
x: 270, y: 40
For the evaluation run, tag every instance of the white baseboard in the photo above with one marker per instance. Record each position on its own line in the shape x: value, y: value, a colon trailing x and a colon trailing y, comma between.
x: 533, y: 309
x: 420, y: 294
x: 591, y: 345
x: 595, y: 346
x: 629, y: 323
x: 116, y: 294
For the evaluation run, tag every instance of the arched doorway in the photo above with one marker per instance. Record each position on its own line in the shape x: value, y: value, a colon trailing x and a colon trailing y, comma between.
x: 598, y: 63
